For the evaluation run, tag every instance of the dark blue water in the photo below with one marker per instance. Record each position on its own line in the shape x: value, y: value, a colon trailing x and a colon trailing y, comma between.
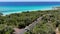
x: 14, y: 7
x: 28, y: 3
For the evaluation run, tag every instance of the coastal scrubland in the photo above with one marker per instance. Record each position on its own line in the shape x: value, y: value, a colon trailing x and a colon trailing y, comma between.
x: 49, y: 22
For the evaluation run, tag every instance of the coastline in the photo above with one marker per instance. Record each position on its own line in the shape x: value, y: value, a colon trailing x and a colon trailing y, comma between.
x: 27, y: 9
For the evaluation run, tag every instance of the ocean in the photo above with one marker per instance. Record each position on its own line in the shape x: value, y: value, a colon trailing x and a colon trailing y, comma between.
x: 16, y: 7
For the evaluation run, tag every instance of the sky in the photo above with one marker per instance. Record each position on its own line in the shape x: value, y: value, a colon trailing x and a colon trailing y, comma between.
x: 29, y: 0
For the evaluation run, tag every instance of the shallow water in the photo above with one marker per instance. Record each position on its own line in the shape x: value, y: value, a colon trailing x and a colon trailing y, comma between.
x: 15, y: 7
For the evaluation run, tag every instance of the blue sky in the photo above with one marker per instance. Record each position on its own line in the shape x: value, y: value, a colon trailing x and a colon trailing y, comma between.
x: 29, y: 0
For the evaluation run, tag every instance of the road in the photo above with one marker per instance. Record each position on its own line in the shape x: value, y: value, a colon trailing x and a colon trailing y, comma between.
x: 57, y: 31
x: 27, y: 28
x: 31, y: 26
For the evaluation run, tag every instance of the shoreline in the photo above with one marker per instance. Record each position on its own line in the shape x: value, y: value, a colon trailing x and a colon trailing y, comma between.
x: 41, y: 9
x: 26, y: 11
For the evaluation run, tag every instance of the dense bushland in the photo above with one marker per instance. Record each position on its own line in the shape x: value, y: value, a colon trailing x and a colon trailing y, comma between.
x: 49, y: 22
x: 21, y: 20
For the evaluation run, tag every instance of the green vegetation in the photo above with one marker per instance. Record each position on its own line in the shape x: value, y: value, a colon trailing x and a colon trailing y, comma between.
x: 21, y: 20
x: 49, y: 22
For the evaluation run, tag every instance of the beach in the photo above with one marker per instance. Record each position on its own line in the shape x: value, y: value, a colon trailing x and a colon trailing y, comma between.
x: 18, y: 7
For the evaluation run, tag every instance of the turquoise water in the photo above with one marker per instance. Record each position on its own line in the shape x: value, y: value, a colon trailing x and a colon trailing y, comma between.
x: 16, y: 8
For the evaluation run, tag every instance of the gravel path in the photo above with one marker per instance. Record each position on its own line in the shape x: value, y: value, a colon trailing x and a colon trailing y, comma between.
x: 27, y: 28
x: 57, y: 31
